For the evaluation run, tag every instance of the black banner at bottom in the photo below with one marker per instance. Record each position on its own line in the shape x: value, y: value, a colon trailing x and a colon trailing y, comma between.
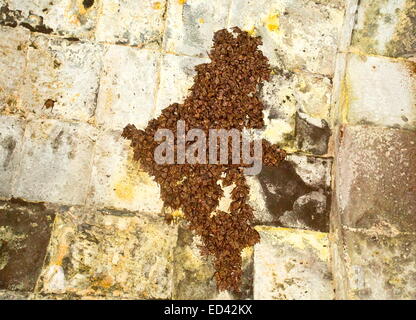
x: 181, y: 309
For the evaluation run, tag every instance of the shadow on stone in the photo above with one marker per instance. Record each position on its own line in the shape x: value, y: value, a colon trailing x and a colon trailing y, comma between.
x: 25, y: 229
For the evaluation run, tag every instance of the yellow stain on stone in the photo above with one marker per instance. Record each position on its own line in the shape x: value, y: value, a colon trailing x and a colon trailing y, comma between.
x: 201, y: 20
x: 81, y: 9
x: 397, y: 282
x: 104, y: 282
x: 178, y: 214
x: 157, y: 6
x: 271, y: 229
x: 74, y: 20
x: 182, y: 1
x: 125, y: 185
x: 290, y: 149
x: 74, y: 11
x: 125, y: 188
x: 272, y: 22
x: 364, y: 55
x: 108, y: 99
x: 63, y: 240
x: 278, y: 131
x: 251, y: 31
x: 345, y: 99
x: 247, y: 252
x: 279, y: 128
x: 124, y: 191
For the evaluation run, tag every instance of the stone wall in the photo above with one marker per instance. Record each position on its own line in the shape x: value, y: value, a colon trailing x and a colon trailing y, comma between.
x: 79, y: 219
x: 374, y: 201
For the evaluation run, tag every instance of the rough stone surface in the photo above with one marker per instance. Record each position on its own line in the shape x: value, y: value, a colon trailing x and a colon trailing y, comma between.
x: 99, y: 253
x: 117, y: 181
x: 381, y: 91
x: 194, y: 274
x: 375, y: 179
x: 288, y: 93
x: 14, y: 295
x: 13, y: 46
x: 296, y: 194
x: 136, y: 23
x: 61, y: 79
x: 176, y: 77
x: 128, y: 87
x: 312, y: 134
x: 73, y: 73
x: 192, y: 23
x: 379, y: 266
x: 69, y: 18
x: 25, y: 230
x: 372, y: 219
x: 296, y: 34
x: 386, y: 28
x: 292, y: 264
x: 56, y: 162
x: 11, y: 133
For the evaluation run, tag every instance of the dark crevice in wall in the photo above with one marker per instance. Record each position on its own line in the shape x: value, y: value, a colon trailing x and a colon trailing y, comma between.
x: 14, y: 18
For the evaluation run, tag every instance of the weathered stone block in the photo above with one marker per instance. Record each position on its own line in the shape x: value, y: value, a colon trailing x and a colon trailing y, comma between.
x: 97, y: 253
x: 380, y: 91
x: 292, y: 264
x: 70, y: 18
x: 288, y: 93
x: 380, y: 267
x: 375, y: 179
x: 136, y: 23
x: 386, y: 28
x: 13, y: 46
x: 11, y: 134
x: 117, y: 180
x: 176, y: 78
x: 14, y: 38
x: 296, y: 194
x: 191, y: 25
x: 128, y: 87
x: 25, y: 230
x: 194, y: 274
x: 62, y: 79
x: 55, y: 162
x: 296, y: 34
x: 312, y: 134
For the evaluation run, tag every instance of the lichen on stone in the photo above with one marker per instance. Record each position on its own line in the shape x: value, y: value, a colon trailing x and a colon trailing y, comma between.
x: 403, y: 42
